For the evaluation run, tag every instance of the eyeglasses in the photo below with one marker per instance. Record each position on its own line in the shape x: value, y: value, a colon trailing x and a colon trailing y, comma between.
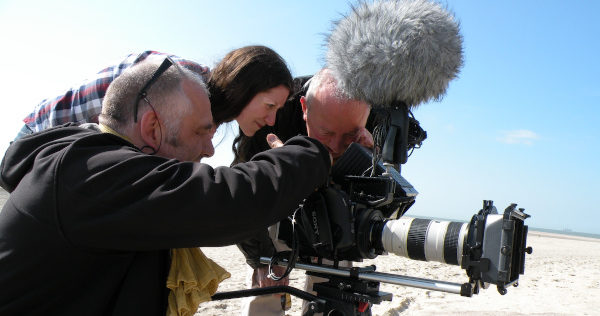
x: 144, y: 92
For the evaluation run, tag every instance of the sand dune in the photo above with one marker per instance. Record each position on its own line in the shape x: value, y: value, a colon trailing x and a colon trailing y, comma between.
x: 562, y: 277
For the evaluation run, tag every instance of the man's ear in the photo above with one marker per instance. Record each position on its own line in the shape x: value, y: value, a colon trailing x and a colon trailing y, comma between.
x: 304, y: 108
x: 150, y: 129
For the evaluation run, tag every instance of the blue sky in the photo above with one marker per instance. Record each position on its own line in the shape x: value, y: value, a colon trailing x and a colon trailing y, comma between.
x: 520, y: 124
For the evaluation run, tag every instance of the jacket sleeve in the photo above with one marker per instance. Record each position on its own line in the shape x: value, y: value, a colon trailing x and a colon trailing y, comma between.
x: 258, y: 245
x: 123, y: 199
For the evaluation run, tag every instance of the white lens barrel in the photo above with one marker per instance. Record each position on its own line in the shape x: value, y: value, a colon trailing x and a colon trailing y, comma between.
x: 425, y: 239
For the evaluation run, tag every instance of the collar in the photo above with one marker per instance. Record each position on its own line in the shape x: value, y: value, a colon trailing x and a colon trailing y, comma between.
x: 106, y: 129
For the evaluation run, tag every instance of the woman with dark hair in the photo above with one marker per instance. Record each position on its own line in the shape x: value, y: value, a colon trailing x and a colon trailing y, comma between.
x: 249, y: 85
x: 288, y: 123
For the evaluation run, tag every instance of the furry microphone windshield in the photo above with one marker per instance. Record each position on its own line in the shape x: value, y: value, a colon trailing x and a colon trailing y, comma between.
x: 390, y: 51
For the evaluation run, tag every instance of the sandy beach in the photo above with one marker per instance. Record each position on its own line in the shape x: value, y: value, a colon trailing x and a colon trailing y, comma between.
x: 562, y: 277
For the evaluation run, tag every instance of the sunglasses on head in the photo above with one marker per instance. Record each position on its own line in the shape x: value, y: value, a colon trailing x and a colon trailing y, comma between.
x: 144, y: 91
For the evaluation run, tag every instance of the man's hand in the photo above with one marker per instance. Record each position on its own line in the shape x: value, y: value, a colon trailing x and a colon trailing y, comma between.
x: 364, y: 137
x: 275, y: 142
x: 261, y: 276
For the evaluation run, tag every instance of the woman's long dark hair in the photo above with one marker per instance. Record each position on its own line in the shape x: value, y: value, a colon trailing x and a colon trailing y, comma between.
x: 238, y: 77
x: 242, y: 74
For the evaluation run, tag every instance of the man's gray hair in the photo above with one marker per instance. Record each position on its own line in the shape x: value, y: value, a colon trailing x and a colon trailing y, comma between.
x: 118, y: 104
x: 322, y: 78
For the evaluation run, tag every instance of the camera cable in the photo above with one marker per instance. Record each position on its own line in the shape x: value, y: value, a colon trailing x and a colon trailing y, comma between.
x: 293, y: 256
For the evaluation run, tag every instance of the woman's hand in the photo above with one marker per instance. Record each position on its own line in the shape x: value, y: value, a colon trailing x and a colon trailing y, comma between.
x: 274, y: 141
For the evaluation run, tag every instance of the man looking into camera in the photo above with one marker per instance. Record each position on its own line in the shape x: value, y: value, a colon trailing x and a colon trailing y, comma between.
x: 94, y: 210
x: 319, y: 110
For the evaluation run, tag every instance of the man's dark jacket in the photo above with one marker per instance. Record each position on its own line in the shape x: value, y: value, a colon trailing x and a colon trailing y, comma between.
x: 90, y: 219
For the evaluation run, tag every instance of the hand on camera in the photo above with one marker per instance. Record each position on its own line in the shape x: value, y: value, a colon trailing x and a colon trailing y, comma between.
x: 364, y: 137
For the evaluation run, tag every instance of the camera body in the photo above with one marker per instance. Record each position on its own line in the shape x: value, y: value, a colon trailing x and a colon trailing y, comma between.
x: 337, y: 222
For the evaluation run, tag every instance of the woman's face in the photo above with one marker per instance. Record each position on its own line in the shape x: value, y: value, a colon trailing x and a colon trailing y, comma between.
x: 262, y: 109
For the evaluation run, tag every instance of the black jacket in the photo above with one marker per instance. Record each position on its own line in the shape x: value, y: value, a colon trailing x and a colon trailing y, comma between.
x: 90, y: 219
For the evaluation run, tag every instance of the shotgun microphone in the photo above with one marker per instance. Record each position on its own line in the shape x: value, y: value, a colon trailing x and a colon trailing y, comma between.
x: 387, y: 52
